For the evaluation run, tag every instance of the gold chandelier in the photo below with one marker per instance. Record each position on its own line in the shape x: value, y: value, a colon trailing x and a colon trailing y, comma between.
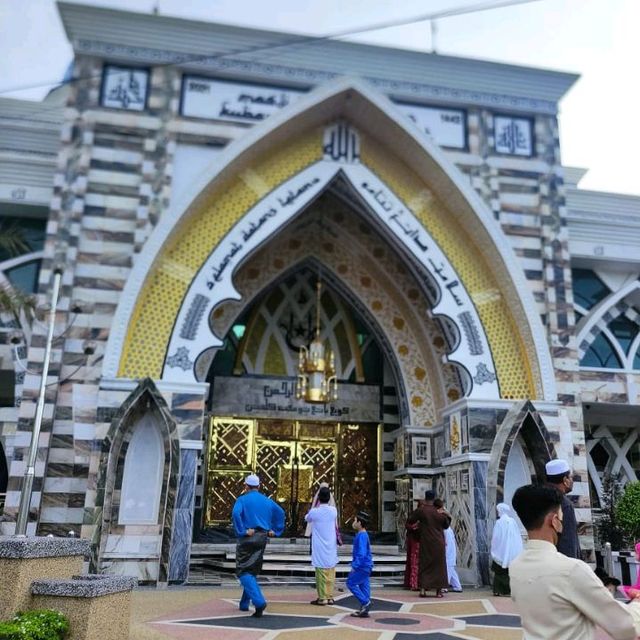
x: 317, y: 380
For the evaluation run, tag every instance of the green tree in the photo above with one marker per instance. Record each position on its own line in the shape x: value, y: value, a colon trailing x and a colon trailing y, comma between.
x: 627, y: 510
x: 607, y: 526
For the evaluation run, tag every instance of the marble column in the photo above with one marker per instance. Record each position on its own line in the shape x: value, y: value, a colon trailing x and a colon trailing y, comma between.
x: 183, y: 518
x: 481, y: 520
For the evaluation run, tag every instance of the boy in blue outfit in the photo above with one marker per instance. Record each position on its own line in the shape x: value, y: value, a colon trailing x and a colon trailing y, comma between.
x: 361, y: 566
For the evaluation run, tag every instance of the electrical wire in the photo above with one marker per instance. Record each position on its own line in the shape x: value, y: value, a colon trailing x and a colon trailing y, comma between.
x: 297, y: 40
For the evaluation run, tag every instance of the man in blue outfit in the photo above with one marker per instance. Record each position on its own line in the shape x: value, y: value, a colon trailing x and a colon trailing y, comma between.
x: 255, y: 519
x: 361, y: 566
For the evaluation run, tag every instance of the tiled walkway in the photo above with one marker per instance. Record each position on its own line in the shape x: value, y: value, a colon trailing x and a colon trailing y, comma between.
x: 212, y: 614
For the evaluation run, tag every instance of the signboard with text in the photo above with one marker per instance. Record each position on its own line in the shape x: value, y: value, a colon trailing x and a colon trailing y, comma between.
x: 447, y: 127
x: 276, y: 398
x: 219, y: 100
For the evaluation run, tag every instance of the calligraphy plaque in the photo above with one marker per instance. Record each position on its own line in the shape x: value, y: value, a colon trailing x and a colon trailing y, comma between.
x: 124, y: 88
x: 513, y: 136
x: 276, y: 398
x: 219, y: 100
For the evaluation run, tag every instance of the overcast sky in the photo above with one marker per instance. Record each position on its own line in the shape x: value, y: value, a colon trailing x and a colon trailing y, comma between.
x: 599, y: 39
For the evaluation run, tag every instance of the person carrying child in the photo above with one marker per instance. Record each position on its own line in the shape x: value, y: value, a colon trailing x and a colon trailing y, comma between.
x: 358, y: 581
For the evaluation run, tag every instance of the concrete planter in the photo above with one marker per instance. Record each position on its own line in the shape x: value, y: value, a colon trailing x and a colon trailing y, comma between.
x: 42, y: 573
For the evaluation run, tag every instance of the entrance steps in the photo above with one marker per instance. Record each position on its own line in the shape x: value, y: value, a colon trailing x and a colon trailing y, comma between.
x: 288, y: 563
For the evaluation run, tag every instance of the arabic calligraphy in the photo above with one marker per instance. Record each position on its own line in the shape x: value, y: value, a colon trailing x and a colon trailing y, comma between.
x: 276, y: 397
x: 405, y: 221
x: 413, y: 232
x: 287, y: 389
x: 292, y: 196
x: 125, y: 89
x: 307, y: 410
x: 341, y: 142
x: 224, y: 263
x: 253, y: 226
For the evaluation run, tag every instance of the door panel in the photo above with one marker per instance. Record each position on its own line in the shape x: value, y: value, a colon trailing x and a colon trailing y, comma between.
x: 359, y: 473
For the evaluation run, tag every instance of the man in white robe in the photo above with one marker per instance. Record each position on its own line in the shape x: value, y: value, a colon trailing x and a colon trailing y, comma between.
x: 324, y: 546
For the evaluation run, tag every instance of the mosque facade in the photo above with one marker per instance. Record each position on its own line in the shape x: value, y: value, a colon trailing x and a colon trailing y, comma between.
x: 214, y: 199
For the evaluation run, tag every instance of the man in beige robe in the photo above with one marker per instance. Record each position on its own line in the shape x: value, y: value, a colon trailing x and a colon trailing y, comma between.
x: 560, y: 598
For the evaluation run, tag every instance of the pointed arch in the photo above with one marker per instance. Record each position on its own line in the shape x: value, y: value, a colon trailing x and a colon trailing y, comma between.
x: 145, y: 405
x: 503, y: 286
x: 368, y: 279
x: 522, y: 421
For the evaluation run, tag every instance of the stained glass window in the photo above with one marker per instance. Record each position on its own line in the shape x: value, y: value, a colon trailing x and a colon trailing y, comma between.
x: 588, y: 289
x: 624, y: 330
x: 601, y: 354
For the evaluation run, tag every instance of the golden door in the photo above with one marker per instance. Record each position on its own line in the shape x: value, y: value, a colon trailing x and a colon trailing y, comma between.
x: 292, y: 458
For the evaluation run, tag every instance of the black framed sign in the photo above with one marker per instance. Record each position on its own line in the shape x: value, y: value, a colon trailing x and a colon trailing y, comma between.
x: 513, y: 136
x: 124, y: 87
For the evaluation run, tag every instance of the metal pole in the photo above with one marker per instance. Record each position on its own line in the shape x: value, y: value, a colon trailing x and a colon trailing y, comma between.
x: 30, y: 470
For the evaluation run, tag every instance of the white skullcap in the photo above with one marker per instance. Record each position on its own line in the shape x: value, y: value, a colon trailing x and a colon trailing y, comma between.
x: 557, y: 467
x: 252, y: 480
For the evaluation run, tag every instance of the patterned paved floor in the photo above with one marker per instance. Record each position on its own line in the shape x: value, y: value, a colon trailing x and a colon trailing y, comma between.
x: 212, y: 613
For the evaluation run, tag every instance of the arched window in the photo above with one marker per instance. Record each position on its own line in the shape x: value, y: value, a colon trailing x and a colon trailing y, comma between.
x: 601, y: 354
x: 142, y: 478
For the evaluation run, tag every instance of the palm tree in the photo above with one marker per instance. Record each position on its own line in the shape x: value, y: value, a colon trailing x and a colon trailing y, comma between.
x: 13, y: 301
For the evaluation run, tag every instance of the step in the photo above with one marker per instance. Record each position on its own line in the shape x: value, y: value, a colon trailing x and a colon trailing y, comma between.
x: 302, y: 547
x: 283, y: 567
x: 295, y: 558
x: 208, y: 577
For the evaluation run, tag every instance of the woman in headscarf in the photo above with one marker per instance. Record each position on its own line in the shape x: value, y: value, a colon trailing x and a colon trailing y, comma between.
x: 413, y: 556
x: 506, y: 544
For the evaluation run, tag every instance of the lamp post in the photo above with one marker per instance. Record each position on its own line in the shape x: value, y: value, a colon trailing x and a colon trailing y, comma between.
x: 30, y: 469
